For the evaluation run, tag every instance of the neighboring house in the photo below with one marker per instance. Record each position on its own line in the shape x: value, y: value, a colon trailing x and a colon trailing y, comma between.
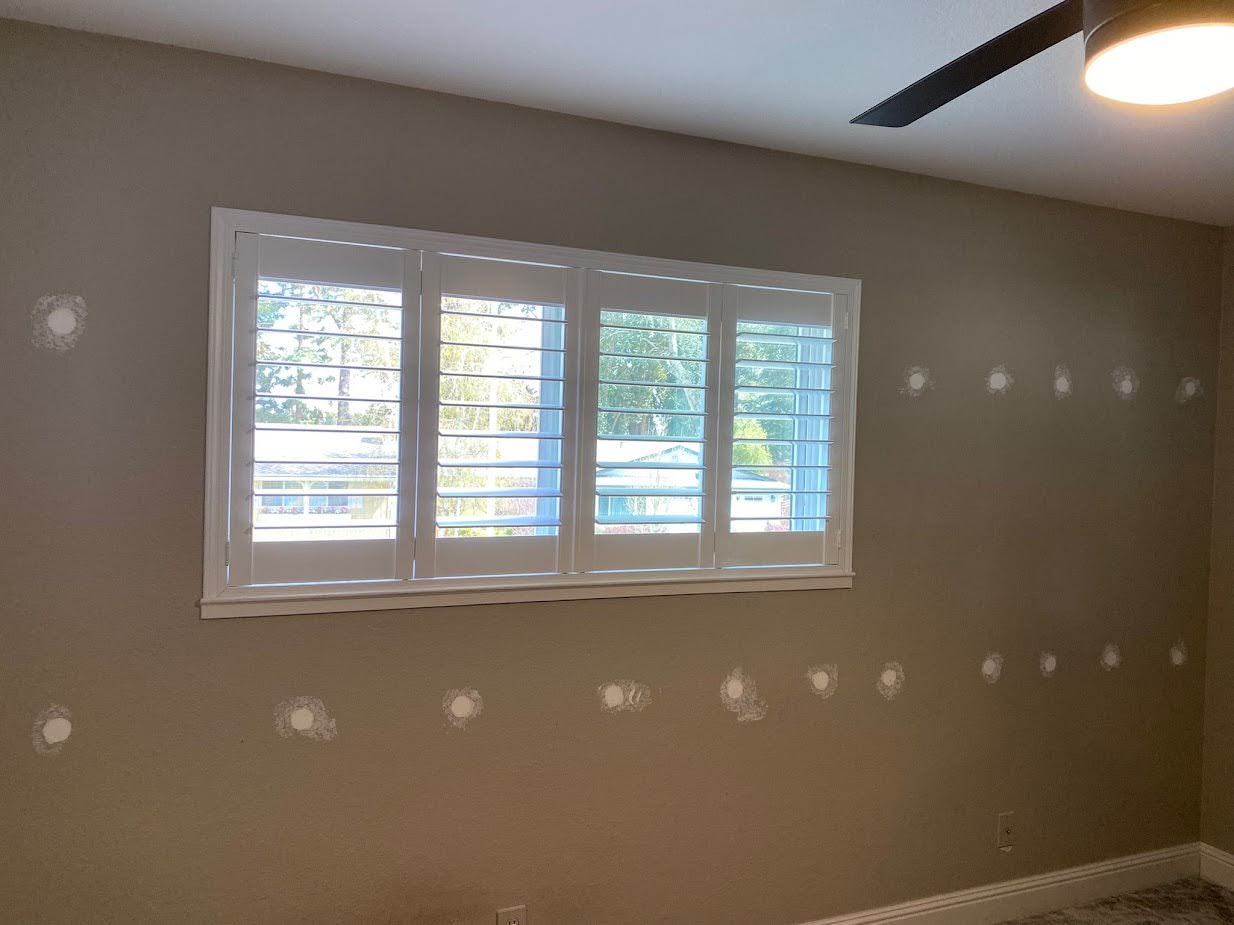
x: 633, y: 469
x: 633, y: 485
x: 332, y: 475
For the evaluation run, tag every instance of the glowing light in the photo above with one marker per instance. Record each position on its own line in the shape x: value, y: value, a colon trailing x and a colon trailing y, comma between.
x: 1169, y: 66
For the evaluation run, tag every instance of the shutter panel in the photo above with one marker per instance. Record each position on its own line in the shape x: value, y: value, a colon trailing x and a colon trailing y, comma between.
x: 318, y: 453
x: 775, y: 496
x: 497, y: 461
x: 648, y: 470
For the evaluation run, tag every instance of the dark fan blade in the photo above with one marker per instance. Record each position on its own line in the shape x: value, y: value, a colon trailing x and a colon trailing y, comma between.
x: 979, y: 65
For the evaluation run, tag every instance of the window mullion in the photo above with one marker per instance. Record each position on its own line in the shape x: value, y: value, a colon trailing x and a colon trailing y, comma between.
x: 572, y: 499
x: 409, y: 416
x: 588, y: 399
x: 243, y: 409
x: 726, y: 363
x: 842, y: 417
x: 429, y: 404
x: 713, y: 446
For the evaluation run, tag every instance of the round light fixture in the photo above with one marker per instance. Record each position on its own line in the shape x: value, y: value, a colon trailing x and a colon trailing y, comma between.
x: 1159, y: 52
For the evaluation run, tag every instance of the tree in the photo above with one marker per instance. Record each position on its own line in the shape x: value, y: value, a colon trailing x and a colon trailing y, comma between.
x: 317, y: 324
x: 750, y: 454
x: 496, y: 371
x: 307, y: 346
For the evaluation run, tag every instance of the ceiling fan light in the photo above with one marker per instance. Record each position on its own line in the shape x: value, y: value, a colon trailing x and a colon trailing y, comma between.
x: 1167, y: 66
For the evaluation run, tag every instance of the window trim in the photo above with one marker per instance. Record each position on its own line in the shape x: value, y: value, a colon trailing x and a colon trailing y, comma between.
x: 219, y: 600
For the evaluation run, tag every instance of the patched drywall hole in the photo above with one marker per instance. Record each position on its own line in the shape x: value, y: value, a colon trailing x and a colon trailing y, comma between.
x: 992, y: 667
x: 58, y: 321
x: 917, y: 381
x: 739, y: 695
x: 52, y: 728
x: 1111, y: 657
x: 890, y: 680
x: 612, y: 696
x: 624, y: 696
x: 1178, y: 654
x: 461, y: 705
x: 1062, y: 382
x: 1048, y: 663
x: 823, y: 679
x: 1189, y: 388
x: 999, y: 380
x: 304, y: 716
x: 1125, y: 382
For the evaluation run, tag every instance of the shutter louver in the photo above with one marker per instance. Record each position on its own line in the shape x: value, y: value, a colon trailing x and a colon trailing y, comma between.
x: 780, y: 365
x: 326, y: 376
x: 781, y: 428
x: 651, y: 423
x: 501, y: 405
x: 651, y: 473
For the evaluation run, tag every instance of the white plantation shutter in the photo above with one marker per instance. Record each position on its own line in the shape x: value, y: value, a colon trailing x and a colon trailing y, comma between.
x: 496, y: 457
x: 318, y: 454
x: 424, y: 418
x: 648, y: 448
x: 777, y: 427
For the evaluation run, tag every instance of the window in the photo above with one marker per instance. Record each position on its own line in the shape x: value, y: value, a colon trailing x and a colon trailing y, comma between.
x: 402, y: 418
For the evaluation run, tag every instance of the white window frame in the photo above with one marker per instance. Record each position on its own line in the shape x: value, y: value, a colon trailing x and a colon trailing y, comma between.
x: 223, y: 599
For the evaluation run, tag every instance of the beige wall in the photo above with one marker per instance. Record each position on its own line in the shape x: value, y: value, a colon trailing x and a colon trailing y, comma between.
x: 1011, y: 524
x: 1218, y: 804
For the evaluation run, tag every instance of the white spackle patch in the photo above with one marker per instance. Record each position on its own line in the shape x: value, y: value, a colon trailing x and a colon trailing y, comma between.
x: 890, y: 680
x: 1048, y: 663
x: 52, y: 728
x: 304, y: 716
x: 58, y: 321
x: 999, y: 380
x: 461, y: 705
x: 1111, y: 657
x: 992, y: 667
x: 1189, y: 389
x: 917, y: 381
x: 1125, y: 382
x: 624, y: 696
x: 1178, y: 654
x: 1062, y: 382
x: 823, y: 680
x: 739, y: 695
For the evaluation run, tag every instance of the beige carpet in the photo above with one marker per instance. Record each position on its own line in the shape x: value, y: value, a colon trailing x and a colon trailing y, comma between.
x: 1183, y: 902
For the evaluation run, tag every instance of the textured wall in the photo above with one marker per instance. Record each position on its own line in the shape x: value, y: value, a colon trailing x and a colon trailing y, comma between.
x: 1218, y: 811
x: 1014, y: 523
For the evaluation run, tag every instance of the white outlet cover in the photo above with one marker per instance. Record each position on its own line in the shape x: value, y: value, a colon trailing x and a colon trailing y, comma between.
x: 514, y: 915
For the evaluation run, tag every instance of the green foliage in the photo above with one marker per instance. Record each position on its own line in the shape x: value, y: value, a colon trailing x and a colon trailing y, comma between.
x: 320, y: 333
x: 651, y: 357
x: 750, y: 454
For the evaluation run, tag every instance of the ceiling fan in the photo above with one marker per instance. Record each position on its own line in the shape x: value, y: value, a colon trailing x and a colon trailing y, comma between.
x: 1153, y: 52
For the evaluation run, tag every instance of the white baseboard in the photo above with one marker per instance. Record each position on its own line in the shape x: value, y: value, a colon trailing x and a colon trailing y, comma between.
x: 985, y: 905
x: 1217, y: 865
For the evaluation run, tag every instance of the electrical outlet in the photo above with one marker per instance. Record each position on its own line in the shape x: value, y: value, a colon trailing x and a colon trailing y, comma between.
x: 515, y: 915
x: 1006, y: 831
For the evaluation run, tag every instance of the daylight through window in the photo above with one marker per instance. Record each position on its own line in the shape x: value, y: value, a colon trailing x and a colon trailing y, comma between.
x: 405, y: 418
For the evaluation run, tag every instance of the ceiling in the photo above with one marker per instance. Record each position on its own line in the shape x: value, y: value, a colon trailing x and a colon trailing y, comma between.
x: 785, y: 74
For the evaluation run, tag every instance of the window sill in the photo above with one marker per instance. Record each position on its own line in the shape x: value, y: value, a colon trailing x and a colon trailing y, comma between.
x: 395, y: 595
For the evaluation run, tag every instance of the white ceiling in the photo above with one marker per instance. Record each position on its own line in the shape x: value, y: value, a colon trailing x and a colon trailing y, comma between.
x: 785, y: 74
